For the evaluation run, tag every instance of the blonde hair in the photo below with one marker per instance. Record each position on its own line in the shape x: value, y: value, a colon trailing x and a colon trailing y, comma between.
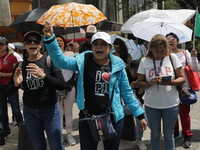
x: 156, y: 41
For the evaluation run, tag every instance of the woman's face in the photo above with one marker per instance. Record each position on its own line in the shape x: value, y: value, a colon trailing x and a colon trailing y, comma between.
x: 133, y: 73
x: 100, y: 49
x: 60, y: 43
x: 173, y: 42
x: 3, y: 47
x: 116, y: 47
x: 159, y: 52
x: 33, y: 45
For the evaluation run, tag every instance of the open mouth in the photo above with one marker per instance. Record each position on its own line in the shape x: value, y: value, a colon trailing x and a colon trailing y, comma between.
x: 99, y: 52
x: 33, y: 48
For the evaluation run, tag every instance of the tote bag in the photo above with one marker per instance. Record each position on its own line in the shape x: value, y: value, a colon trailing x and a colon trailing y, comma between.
x: 193, y: 77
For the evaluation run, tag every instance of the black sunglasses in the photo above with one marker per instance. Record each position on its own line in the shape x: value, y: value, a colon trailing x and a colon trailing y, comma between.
x: 34, y: 40
x: 88, y: 37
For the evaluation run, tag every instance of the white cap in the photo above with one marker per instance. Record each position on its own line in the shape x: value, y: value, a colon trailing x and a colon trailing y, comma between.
x: 11, y: 45
x: 91, y: 29
x: 103, y: 36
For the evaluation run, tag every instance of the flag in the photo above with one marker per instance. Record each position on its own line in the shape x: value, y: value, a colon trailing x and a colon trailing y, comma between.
x: 197, y: 25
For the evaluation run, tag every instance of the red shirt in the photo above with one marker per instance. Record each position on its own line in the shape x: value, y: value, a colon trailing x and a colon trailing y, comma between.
x: 6, y: 66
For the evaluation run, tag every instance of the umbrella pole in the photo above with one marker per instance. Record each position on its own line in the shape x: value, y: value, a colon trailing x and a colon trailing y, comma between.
x: 73, y: 24
x: 193, y: 42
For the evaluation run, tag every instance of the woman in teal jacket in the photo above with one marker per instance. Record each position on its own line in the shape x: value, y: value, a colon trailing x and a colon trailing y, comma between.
x: 101, y: 78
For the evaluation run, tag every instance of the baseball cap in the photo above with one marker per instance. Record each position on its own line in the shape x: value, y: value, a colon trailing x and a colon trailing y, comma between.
x: 33, y: 33
x: 91, y: 29
x: 103, y: 36
x: 3, y: 40
x: 11, y: 45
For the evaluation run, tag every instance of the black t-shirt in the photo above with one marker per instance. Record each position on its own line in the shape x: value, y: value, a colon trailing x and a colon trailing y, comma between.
x: 39, y: 92
x: 96, y: 79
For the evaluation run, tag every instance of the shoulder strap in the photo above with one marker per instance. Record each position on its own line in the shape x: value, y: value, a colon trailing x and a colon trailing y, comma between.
x: 20, y: 64
x: 48, y: 61
x: 172, y: 65
x: 184, y: 52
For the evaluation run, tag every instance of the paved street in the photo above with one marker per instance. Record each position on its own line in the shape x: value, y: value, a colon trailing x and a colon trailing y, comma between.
x: 11, y: 142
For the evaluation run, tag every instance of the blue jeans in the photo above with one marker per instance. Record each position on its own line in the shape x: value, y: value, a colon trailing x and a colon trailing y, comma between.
x: 14, y: 102
x: 45, y: 119
x: 86, y: 141
x: 168, y: 117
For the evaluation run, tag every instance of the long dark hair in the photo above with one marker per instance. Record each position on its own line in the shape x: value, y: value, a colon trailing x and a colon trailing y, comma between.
x: 123, y: 49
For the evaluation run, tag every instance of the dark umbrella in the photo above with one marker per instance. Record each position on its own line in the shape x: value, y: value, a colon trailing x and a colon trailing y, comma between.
x: 27, y: 22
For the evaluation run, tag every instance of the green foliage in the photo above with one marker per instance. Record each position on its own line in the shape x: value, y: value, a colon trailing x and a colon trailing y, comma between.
x: 172, y: 4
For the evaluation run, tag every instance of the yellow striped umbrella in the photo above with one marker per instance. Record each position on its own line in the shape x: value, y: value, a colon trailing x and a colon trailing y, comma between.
x: 72, y: 15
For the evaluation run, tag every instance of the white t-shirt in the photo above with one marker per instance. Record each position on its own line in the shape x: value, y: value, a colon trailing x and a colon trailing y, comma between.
x: 67, y: 74
x: 160, y: 96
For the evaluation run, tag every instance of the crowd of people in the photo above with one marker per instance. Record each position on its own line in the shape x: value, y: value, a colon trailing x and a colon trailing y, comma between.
x: 99, y: 81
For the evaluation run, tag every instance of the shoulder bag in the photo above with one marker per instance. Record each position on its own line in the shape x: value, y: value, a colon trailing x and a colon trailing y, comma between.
x: 183, y: 93
x: 187, y: 97
x: 101, y: 126
x: 193, y: 77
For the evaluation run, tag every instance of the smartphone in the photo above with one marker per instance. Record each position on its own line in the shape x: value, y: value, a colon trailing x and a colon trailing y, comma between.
x: 166, y: 78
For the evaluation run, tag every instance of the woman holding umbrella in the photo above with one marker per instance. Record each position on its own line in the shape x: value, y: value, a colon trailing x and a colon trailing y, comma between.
x: 184, y: 110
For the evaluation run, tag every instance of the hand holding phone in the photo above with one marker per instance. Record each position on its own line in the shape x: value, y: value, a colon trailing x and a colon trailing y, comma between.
x: 166, y: 78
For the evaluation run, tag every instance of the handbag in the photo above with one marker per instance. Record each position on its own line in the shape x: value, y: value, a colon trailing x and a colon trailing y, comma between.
x: 101, y: 127
x: 193, y: 77
x: 191, y: 99
x: 183, y: 93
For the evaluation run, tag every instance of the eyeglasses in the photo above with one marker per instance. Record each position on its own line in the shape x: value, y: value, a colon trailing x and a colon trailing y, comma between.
x: 171, y: 39
x: 34, y: 40
x: 88, y: 37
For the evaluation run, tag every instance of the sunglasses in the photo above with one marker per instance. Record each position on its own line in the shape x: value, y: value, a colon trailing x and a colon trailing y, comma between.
x: 88, y: 37
x: 171, y: 39
x: 32, y: 40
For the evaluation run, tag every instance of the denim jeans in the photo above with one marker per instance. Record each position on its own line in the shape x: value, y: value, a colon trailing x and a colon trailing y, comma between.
x: 45, y: 119
x: 14, y: 102
x: 87, y: 143
x: 168, y: 117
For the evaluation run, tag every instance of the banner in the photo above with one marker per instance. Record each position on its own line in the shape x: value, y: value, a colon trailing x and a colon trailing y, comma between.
x: 197, y: 25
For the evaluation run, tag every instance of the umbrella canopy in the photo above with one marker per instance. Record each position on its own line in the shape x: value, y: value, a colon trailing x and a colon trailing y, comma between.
x: 71, y: 15
x: 148, y: 28
x: 27, y: 22
x: 181, y: 16
x: 130, y: 44
x: 18, y: 45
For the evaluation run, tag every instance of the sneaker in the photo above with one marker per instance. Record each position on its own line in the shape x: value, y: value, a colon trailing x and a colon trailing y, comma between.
x: 7, y: 134
x: 141, y: 145
x: 187, y: 142
x: 70, y: 139
x: 177, y: 135
x: 14, y: 122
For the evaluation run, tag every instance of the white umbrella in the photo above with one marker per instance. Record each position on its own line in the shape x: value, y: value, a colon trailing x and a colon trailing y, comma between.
x: 149, y: 27
x: 131, y: 46
x: 18, y: 45
x: 180, y: 15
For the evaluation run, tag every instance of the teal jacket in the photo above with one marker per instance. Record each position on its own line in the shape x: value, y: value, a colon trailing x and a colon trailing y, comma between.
x: 118, y: 79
